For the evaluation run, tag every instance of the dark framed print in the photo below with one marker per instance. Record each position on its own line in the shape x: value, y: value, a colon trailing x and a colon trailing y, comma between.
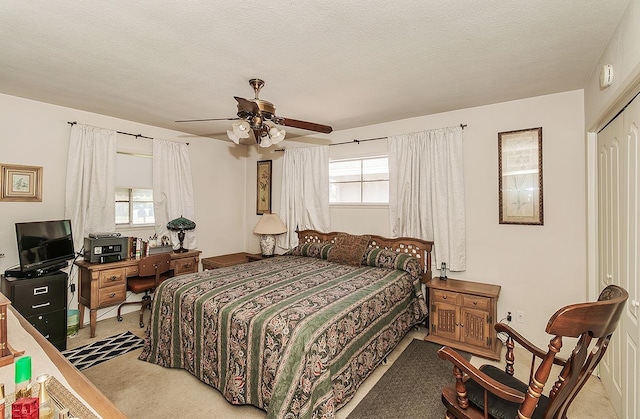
x: 20, y: 183
x: 263, y: 198
x: 520, y: 177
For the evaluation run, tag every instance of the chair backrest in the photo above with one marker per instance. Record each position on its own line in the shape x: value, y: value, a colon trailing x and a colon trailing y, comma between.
x: 593, y: 324
x: 154, y: 265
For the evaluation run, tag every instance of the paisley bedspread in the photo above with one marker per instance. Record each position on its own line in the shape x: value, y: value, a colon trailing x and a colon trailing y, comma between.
x: 293, y: 335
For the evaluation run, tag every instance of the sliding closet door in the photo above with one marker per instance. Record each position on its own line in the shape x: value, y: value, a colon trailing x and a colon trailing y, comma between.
x: 618, y: 252
x: 630, y: 327
x: 610, y: 239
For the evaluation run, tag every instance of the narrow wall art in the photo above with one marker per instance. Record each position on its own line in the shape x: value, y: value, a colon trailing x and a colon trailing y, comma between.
x: 263, y: 199
x: 520, y: 177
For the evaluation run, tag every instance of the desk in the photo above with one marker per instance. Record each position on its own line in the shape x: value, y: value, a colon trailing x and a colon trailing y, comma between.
x: 105, y: 284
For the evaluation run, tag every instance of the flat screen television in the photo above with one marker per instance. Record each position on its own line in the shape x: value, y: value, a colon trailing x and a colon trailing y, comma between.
x: 44, y: 245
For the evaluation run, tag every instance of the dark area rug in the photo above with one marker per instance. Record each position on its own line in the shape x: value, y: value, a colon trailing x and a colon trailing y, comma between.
x: 103, y: 350
x: 411, y: 387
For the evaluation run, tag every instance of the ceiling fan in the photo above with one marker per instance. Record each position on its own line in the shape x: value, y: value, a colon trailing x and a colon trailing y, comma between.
x: 259, y: 116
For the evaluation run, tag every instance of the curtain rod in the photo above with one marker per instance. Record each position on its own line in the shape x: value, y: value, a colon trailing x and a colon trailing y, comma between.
x: 121, y: 132
x: 463, y: 126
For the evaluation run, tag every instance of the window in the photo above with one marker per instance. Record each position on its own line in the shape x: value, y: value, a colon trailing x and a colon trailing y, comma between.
x: 134, y: 206
x: 359, y: 181
x: 134, y: 189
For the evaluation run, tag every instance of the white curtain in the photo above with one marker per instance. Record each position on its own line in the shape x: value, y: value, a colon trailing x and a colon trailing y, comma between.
x: 172, y: 189
x: 426, y: 191
x: 304, y: 202
x: 90, y: 185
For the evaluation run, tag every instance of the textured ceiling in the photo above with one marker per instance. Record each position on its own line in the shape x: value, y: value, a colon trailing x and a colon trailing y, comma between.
x: 337, y: 62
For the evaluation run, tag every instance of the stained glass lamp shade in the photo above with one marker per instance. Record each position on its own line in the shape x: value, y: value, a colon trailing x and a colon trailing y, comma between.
x: 181, y: 225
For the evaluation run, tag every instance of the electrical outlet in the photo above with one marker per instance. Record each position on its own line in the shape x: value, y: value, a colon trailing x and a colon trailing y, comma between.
x: 520, y: 316
x: 508, y: 315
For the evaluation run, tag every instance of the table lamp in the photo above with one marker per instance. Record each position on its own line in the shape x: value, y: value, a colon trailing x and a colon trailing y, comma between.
x: 268, y: 227
x: 180, y: 225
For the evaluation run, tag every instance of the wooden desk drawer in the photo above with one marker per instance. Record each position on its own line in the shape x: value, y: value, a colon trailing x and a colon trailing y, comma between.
x: 112, y: 295
x: 112, y: 277
x: 184, y: 266
x: 440, y: 296
x: 473, y: 301
x: 131, y: 271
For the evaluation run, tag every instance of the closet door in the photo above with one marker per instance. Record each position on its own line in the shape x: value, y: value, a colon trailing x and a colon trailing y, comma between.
x: 630, y: 278
x: 619, y: 251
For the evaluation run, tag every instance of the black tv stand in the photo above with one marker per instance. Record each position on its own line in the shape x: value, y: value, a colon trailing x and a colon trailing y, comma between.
x: 15, y: 272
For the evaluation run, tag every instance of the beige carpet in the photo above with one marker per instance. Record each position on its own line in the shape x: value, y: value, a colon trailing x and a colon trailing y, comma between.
x: 143, y: 390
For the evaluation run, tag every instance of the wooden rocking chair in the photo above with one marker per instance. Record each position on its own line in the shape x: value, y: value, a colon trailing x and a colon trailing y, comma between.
x: 489, y: 392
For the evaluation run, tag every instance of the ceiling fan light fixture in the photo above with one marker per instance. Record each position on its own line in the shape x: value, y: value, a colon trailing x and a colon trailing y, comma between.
x: 256, y: 122
x: 259, y: 116
x: 239, y: 129
x: 233, y: 137
x: 266, y: 141
x: 276, y: 135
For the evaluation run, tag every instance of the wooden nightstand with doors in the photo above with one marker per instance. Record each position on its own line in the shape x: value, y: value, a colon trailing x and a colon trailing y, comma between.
x: 462, y: 315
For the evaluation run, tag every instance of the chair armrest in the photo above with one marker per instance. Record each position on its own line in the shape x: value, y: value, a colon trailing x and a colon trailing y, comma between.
x: 533, y: 349
x: 488, y: 383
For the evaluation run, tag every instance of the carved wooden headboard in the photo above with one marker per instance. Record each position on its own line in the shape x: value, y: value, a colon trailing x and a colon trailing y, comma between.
x: 421, y: 249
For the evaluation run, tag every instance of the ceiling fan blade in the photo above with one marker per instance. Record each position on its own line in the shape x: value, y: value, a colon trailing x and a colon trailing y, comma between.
x: 245, y: 105
x: 311, y: 126
x: 209, y: 119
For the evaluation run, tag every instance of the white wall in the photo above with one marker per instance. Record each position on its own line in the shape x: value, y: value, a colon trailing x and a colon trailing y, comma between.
x: 601, y: 105
x: 623, y: 51
x: 37, y: 134
x: 540, y: 268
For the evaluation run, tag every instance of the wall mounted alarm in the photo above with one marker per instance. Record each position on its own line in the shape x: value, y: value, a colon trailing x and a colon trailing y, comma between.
x: 606, y: 75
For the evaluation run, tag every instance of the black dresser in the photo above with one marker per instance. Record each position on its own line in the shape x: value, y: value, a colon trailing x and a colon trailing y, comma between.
x: 43, y: 302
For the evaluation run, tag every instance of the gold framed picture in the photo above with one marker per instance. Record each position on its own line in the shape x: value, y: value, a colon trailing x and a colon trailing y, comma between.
x: 520, y: 177
x: 263, y: 198
x: 20, y: 183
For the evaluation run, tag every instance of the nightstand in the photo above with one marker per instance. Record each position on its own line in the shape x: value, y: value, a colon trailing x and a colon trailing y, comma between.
x: 462, y: 315
x: 231, y: 259
x: 255, y: 257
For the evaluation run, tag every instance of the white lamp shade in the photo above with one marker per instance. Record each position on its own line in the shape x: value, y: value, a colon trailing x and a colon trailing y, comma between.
x: 277, y: 135
x: 233, y: 137
x: 265, y: 141
x: 270, y: 224
x: 240, y: 129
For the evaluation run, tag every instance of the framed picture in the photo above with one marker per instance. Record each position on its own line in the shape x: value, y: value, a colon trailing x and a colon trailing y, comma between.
x: 263, y: 199
x: 520, y: 176
x: 20, y: 183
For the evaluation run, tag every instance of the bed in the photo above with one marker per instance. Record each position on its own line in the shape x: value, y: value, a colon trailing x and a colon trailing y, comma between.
x: 294, y: 335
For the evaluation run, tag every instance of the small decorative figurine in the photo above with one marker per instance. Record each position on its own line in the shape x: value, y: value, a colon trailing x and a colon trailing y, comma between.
x: 443, y: 271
